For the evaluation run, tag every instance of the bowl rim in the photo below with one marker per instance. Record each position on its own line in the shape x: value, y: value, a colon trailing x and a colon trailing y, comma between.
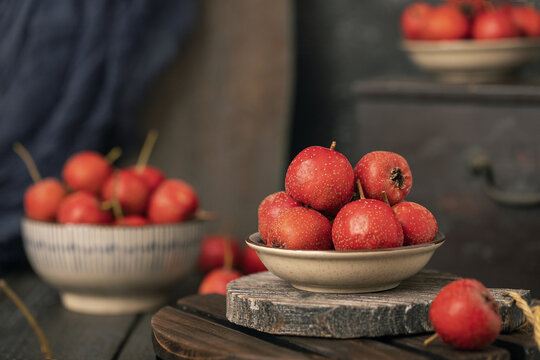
x: 257, y: 245
x: 469, y: 44
x: 56, y: 225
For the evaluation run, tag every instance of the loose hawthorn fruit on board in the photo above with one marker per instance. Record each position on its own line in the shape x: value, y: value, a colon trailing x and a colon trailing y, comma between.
x: 251, y: 263
x: 321, y: 178
x: 445, y: 22
x: 129, y: 189
x: 387, y: 171
x: 418, y: 223
x: 414, y: 18
x: 42, y: 199
x: 215, y: 282
x: 87, y: 171
x: 494, y: 24
x: 366, y: 224
x: 173, y: 201
x: 270, y: 208
x: 302, y: 228
x: 82, y: 207
x: 213, y: 252
x: 465, y: 315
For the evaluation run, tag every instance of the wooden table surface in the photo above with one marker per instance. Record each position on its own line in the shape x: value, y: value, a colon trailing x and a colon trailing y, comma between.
x: 78, y: 336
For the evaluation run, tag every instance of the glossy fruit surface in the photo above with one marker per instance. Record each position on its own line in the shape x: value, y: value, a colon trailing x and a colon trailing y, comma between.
x: 251, y: 262
x: 173, y: 201
x: 418, y: 223
x: 215, y: 282
x: 86, y: 171
x: 414, y: 18
x: 527, y: 20
x: 495, y: 24
x: 42, y: 199
x: 151, y: 175
x: 366, y: 224
x: 387, y: 171
x: 129, y: 189
x: 82, y: 208
x: 321, y: 178
x: 270, y: 208
x: 446, y: 22
x: 132, y: 220
x: 465, y: 315
x: 302, y: 228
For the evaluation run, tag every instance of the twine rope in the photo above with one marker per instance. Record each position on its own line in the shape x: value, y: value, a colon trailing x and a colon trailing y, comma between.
x: 532, y: 315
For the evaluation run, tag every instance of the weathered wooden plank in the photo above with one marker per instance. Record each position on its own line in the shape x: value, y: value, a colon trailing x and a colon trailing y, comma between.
x: 178, y: 335
x: 70, y: 335
x: 214, y: 306
x: 266, y: 303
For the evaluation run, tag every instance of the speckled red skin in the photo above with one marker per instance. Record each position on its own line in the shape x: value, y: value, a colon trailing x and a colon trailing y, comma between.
x: 87, y: 171
x: 418, y: 223
x: 130, y: 190
x: 82, y: 207
x: 270, y: 208
x: 375, y: 172
x: 251, y: 262
x: 151, y: 175
x: 320, y: 178
x: 302, y: 228
x: 366, y: 224
x: 213, y: 249
x: 42, y: 199
x: 215, y: 282
x: 173, y: 201
x: 132, y: 220
x: 465, y: 315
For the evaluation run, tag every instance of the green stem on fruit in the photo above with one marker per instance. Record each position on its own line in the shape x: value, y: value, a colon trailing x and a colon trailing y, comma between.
x: 31, y: 320
x: 113, y: 155
x: 360, y: 190
x: 385, y: 198
x: 333, y: 145
x: 24, y: 154
x: 146, y: 150
x: 430, y: 339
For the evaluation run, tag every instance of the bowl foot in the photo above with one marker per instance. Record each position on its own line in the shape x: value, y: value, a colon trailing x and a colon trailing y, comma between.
x: 111, y: 305
x: 353, y: 290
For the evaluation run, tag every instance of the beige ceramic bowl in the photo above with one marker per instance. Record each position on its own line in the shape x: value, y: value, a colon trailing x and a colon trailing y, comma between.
x: 331, y: 271
x: 473, y: 61
x: 113, y: 269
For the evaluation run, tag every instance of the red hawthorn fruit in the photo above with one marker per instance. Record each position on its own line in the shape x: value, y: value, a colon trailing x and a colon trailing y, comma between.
x: 446, y: 22
x: 495, y: 24
x: 418, y: 223
x: 270, y: 208
x: 86, y: 171
x: 42, y: 199
x: 82, y: 208
x: 414, y: 18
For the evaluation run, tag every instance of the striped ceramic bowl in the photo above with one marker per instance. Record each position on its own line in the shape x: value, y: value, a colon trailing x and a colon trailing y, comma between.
x: 112, y: 269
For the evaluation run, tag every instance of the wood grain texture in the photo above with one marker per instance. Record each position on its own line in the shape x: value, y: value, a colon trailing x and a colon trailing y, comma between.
x: 222, y: 108
x: 266, y: 303
x: 70, y: 335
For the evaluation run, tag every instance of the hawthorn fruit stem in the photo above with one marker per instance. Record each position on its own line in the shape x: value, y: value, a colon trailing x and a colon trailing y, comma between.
x: 24, y: 154
x: 31, y: 320
x: 116, y: 208
x: 385, y: 198
x: 228, y: 256
x: 360, y: 190
x: 430, y: 339
x: 333, y: 145
x: 113, y: 155
x: 146, y: 150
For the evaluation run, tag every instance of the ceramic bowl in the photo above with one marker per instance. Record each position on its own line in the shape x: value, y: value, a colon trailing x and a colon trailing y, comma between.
x: 473, y: 61
x: 331, y: 271
x: 112, y: 269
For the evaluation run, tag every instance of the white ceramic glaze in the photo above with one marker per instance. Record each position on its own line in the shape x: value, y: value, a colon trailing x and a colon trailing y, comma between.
x: 470, y: 61
x: 333, y: 271
x: 112, y: 269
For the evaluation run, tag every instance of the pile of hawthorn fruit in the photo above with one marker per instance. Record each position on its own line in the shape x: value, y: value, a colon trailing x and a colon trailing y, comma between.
x: 329, y: 205
x: 469, y: 19
x: 93, y: 191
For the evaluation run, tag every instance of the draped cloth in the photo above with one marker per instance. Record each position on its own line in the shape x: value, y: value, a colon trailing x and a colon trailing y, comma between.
x: 72, y: 74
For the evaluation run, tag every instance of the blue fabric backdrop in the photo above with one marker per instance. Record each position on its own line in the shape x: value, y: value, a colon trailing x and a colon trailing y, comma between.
x: 72, y: 74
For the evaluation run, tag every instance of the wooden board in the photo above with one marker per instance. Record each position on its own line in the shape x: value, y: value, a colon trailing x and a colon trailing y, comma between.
x: 197, y: 328
x: 267, y: 303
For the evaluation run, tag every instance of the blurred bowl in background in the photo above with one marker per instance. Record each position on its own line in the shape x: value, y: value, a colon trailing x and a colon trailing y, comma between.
x: 473, y: 61
x: 113, y: 269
